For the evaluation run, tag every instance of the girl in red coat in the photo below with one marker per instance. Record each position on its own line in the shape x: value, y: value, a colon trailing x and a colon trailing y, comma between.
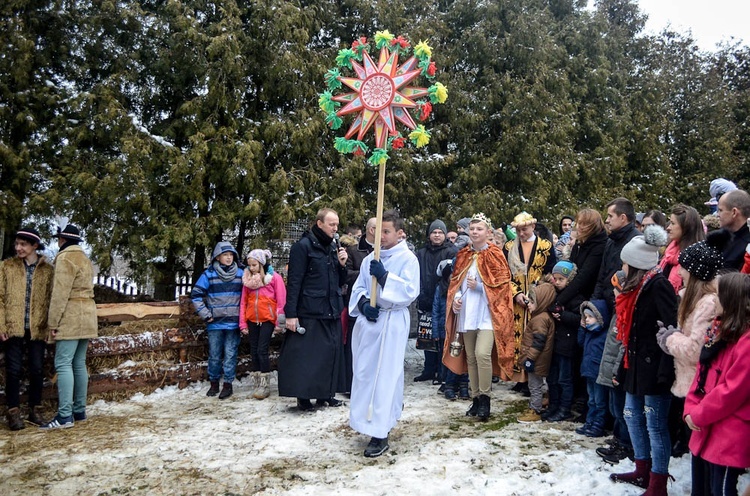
x: 717, y: 407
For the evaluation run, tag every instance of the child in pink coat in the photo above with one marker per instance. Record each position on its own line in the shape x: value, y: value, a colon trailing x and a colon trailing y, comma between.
x: 717, y: 407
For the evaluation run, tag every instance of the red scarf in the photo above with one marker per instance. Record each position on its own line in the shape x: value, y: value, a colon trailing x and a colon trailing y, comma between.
x: 624, y: 307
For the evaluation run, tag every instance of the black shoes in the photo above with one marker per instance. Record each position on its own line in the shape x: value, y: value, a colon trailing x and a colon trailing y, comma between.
x: 328, y: 401
x: 304, y: 405
x: 376, y: 447
x: 615, y: 453
x: 424, y: 377
x: 214, y: 389
x: 483, y: 410
x: 226, y: 391
x: 560, y: 415
x: 474, y: 408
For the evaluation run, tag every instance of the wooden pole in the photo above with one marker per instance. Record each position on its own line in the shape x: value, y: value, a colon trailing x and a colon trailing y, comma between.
x: 378, y: 230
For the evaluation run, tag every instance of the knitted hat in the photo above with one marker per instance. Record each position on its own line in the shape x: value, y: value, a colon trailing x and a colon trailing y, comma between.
x: 523, y: 219
x: 223, y: 247
x: 31, y: 235
x: 463, y: 224
x: 564, y: 268
x: 642, y: 252
x: 262, y: 256
x: 437, y: 224
x: 701, y: 260
x: 719, y: 186
x: 70, y: 232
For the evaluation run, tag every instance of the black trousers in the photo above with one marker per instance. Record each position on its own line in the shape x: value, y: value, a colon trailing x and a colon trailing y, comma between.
x: 15, y: 348
x: 260, y: 338
x: 710, y: 479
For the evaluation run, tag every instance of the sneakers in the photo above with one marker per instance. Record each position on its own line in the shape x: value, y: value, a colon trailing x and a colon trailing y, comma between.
x: 226, y: 391
x: 561, y: 415
x: 591, y: 430
x: 79, y: 416
x: 615, y: 453
x: 15, y: 422
x: 376, y: 447
x: 214, y: 389
x: 58, y: 423
x: 529, y: 417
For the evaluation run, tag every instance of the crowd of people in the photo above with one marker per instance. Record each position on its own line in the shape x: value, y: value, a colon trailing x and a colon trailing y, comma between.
x: 636, y: 323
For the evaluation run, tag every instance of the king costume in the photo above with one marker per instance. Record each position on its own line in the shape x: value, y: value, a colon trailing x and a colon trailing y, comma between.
x: 378, y: 347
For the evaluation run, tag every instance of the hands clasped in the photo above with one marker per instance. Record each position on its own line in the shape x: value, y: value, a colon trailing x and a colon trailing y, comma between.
x: 663, y: 334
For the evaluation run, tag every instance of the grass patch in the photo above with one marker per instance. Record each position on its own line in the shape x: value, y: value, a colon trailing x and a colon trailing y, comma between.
x: 505, y: 417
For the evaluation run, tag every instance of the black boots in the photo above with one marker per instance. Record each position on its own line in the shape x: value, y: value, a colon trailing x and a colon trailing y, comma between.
x: 226, y: 391
x: 214, y: 389
x: 15, y: 422
x: 474, y: 408
x: 483, y: 411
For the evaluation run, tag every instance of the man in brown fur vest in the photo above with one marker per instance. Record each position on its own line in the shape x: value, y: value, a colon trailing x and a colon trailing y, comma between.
x: 25, y: 287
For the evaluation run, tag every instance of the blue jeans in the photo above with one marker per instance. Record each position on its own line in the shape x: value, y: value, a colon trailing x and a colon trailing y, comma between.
x: 646, y: 417
x: 560, y: 382
x: 72, y: 376
x: 616, y: 407
x: 597, y: 403
x: 222, y: 344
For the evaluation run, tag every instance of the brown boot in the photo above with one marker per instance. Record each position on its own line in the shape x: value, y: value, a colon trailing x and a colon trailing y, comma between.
x: 15, y: 422
x: 657, y: 485
x: 35, y: 415
x: 640, y: 477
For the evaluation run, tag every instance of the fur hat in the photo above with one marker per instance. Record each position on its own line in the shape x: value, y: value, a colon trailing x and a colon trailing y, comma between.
x: 703, y: 259
x: 261, y: 256
x: 31, y: 235
x: 565, y: 269
x: 642, y: 252
x: 523, y: 219
x: 223, y: 247
x: 437, y: 224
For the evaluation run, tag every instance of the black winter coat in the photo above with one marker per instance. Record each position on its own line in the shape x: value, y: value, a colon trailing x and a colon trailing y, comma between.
x: 314, y: 280
x: 566, y: 329
x: 734, y: 251
x: 611, y: 263
x: 588, y: 259
x: 650, y: 371
x: 355, y: 254
x: 429, y: 257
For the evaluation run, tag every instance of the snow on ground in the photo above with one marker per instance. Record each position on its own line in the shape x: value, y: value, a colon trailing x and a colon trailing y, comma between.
x: 182, y: 442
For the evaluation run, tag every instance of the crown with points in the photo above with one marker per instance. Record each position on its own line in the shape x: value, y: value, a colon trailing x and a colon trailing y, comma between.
x: 480, y: 217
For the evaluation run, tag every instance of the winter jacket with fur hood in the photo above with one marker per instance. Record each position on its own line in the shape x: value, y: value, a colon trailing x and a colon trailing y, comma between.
x: 592, y: 341
x: 539, y: 335
x: 13, y: 298
x: 72, y: 310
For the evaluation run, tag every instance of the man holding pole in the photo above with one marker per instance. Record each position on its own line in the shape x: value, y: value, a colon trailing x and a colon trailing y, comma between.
x: 379, y: 338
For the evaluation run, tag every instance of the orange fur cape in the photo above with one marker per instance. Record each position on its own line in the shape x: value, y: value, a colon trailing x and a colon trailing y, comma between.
x: 495, y: 274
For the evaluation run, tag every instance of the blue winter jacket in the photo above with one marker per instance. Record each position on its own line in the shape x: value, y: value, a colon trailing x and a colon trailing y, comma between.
x: 214, y: 298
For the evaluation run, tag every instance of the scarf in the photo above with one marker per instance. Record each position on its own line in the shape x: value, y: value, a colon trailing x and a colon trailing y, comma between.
x: 670, y: 265
x: 226, y: 272
x: 321, y: 236
x: 624, y: 307
x: 252, y: 281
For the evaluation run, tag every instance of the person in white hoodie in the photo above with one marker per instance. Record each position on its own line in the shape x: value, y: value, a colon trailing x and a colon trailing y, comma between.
x: 379, y: 339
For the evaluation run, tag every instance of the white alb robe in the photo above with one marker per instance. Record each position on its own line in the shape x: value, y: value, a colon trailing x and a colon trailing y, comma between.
x: 378, y: 348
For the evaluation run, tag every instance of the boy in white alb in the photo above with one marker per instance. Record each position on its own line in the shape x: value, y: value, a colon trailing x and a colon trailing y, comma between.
x: 379, y: 339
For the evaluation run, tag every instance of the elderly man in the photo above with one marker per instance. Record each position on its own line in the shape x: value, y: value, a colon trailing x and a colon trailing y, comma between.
x: 311, y: 365
x: 25, y: 289
x: 529, y: 258
x: 733, y: 212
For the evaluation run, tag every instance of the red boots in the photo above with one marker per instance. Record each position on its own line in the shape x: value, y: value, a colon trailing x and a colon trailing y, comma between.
x: 657, y: 485
x: 640, y: 477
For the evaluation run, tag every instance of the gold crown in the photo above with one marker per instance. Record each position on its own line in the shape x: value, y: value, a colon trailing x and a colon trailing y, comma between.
x: 523, y: 219
x: 480, y: 217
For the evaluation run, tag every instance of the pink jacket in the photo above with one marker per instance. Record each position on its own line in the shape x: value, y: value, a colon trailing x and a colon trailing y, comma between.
x: 723, y: 414
x: 274, y: 290
x: 685, y: 346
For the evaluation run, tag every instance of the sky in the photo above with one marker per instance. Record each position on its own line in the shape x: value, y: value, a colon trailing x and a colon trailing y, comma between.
x: 710, y: 21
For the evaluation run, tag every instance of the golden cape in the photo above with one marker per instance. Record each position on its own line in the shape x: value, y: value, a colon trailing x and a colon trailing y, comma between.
x: 495, y: 275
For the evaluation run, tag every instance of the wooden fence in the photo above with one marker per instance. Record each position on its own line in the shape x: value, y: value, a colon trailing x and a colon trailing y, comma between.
x: 186, y: 339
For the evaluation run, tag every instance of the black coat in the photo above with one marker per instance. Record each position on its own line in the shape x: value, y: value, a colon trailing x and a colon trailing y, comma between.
x: 734, y: 251
x: 650, y: 371
x: 429, y: 257
x: 566, y: 329
x: 356, y: 254
x: 588, y: 259
x: 611, y: 263
x: 314, y: 280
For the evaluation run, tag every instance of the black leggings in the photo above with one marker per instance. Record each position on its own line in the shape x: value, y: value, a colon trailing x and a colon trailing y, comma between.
x: 710, y: 479
x: 260, y: 338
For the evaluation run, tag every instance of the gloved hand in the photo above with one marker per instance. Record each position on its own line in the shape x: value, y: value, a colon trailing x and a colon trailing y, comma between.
x: 370, y: 312
x: 377, y: 269
x: 528, y: 365
x: 663, y: 334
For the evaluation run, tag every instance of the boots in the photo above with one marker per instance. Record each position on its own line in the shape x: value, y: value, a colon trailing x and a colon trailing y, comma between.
x: 214, y: 389
x: 463, y: 390
x: 254, y: 380
x: 640, y: 477
x: 483, y: 412
x: 262, y: 390
x: 35, y: 415
x: 450, y: 392
x: 472, y: 411
x: 226, y: 391
x: 15, y: 422
x: 559, y: 416
x: 657, y: 485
